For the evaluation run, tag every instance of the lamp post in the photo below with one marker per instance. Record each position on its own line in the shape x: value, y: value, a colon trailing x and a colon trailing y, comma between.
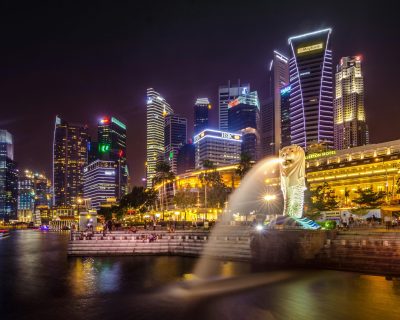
x: 268, y: 198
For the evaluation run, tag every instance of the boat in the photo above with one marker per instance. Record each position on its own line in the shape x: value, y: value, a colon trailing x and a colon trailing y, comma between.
x: 4, y: 233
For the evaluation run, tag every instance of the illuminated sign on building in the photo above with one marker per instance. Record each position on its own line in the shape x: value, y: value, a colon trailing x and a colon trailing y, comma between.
x: 320, y: 154
x: 233, y: 103
x: 285, y: 90
x: 217, y: 135
x: 103, y: 147
x: 314, y: 47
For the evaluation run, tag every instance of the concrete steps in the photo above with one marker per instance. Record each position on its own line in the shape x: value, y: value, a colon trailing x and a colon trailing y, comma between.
x: 230, y: 243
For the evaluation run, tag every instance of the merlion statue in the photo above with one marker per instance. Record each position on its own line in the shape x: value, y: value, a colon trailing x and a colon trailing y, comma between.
x: 292, y: 169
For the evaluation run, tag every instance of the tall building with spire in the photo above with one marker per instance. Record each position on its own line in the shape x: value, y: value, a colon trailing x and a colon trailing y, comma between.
x: 70, y: 156
x: 349, y: 115
x: 278, y: 77
x: 311, y: 95
x: 201, y: 108
x: 157, y: 109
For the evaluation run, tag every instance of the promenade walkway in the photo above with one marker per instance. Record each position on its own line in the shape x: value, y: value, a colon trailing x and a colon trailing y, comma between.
x: 232, y: 243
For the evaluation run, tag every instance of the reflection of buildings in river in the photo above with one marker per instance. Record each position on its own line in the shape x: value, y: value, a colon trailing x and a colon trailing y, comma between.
x: 89, y: 276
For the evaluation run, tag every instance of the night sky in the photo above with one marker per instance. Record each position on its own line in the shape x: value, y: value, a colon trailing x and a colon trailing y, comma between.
x: 85, y: 60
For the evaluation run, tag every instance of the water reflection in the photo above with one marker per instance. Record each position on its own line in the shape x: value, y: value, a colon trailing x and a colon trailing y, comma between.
x: 89, y: 276
x: 38, y: 281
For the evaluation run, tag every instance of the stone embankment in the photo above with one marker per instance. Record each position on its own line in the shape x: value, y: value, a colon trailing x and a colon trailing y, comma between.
x: 231, y: 244
x: 370, y: 251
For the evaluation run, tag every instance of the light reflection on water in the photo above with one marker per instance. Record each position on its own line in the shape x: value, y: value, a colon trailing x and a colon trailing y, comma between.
x: 37, y: 280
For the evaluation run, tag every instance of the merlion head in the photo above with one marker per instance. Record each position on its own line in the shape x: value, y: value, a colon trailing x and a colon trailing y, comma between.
x: 293, y: 163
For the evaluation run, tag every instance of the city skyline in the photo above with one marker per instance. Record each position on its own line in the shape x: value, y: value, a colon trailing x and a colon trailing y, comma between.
x: 87, y: 95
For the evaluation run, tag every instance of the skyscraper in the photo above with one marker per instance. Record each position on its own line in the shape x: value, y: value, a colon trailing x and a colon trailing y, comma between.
x: 278, y: 77
x: 175, y: 135
x: 222, y: 148
x: 350, y: 126
x: 33, y: 193
x: 157, y: 109
x: 100, y: 182
x: 186, y: 158
x: 69, y: 158
x: 201, y: 108
x: 285, y: 117
x: 8, y: 177
x: 226, y: 94
x: 311, y: 96
x: 111, y: 146
x: 244, y: 118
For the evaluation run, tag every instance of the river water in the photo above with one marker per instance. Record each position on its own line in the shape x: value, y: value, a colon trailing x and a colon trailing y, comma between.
x: 38, y: 281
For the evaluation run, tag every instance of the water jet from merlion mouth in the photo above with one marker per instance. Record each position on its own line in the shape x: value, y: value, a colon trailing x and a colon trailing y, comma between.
x: 257, y: 194
x: 247, y: 200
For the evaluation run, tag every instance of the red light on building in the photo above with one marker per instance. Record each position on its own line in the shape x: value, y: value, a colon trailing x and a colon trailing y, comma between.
x: 105, y: 120
x: 358, y: 58
x: 120, y: 153
x: 233, y: 103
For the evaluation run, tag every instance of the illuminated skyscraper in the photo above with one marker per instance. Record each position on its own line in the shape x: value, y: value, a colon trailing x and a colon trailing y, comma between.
x: 244, y: 118
x: 201, y: 108
x: 311, y: 96
x: 175, y: 133
x: 350, y: 126
x: 111, y: 146
x: 271, y: 109
x: 8, y: 177
x: 285, y: 117
x: 157, y: 109
x: 221, y: 148
x: 225, y: 95
x: 100, y: 182
x: 69, y: 158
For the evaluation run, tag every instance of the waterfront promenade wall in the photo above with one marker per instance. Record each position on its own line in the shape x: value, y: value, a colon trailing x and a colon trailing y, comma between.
x: 370, y: 251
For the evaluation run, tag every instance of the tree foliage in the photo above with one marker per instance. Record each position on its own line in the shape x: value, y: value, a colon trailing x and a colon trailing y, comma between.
x: 215, y: 191
x: 244, y: 164
x: 185, y: 198
x: 323, y: 198
x: 139, y: 199
x: 369, y: 198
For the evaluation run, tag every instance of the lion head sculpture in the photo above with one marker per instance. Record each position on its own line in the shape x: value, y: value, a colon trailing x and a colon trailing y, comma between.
x: 292, y: 167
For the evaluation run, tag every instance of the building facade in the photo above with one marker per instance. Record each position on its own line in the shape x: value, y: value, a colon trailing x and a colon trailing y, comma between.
x: 186, y: 158
x: 226, y: 94
x: 201, y: 108
x: 69, y: 158
x: 349, y: 114
x: 157, y: 109
x: 111, y: 146
x: 100, y: 183
x: 375, y: 166
x: 244, y: 118
x: 8, y: 178
x: 175, y: 135
x: 271, y: 113
x: 286, y: 139
x: 219, y: 147
x: 311, y: 96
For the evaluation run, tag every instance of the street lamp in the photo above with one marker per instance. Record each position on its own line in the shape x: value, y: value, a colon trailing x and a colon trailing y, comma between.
x: 269, y: 197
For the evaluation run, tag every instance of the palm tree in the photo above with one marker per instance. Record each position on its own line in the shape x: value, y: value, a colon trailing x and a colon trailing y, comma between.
x: 244, y: 164
x: 206, y: 177
x: 163, y: 174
